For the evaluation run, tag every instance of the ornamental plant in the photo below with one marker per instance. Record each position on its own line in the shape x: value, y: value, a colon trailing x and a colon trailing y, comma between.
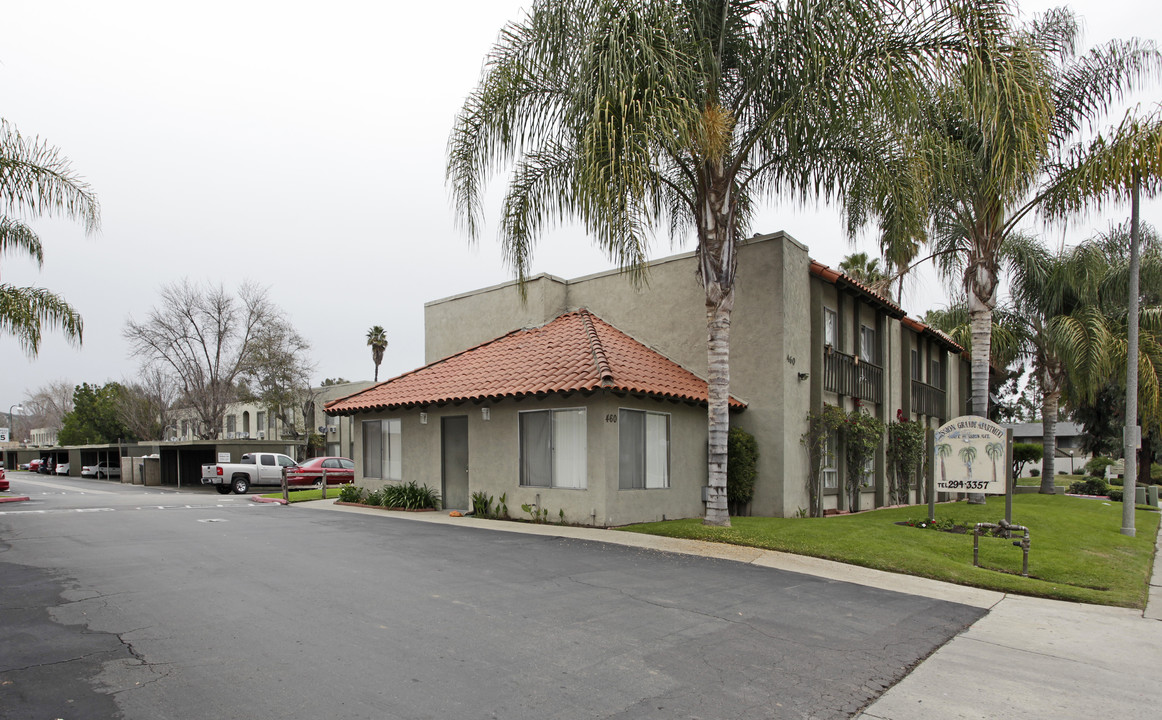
x: 819, y: 426
x: 741, y: 469
x: 863, y: 433
x: 905, y: 453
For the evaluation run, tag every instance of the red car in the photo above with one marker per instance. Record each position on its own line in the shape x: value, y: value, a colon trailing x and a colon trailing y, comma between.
x: 4, y: 481
x: 340, y: 471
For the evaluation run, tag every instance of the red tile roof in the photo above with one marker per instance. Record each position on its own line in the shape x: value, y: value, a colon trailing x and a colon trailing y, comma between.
x: 843, y: 280
x: 577, y: 351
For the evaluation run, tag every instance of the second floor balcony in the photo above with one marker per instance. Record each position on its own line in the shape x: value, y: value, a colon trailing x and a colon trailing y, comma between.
x: 849, y: 375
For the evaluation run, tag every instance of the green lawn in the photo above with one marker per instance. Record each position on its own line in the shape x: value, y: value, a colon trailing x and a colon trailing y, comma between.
x: 304, y: 495
x: 1060, y: 480
x: 1077, y: 551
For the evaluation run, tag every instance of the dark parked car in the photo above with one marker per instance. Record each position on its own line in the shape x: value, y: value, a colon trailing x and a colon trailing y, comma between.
x: 340, y: 471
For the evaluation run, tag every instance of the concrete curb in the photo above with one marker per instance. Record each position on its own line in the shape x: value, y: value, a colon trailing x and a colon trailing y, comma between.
x: 18, y: 498
x: 260, y: 499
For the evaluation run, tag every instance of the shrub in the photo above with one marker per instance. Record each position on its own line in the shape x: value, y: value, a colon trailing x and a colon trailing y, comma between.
x: 742, y: 456
x: 1025, y: 453
x: 863, y: 432
x: 1034, y: 473
x: 1117, y: 495
x: 905, y: 453
x: 1116, y: 481
x: 820, y: 426
x: 1062, y: 472
x: 481, y: 504
x: 409, y: 496
x: 375, y: 497
x: 1156, y: 473
x: 1097, y: 466
x: 1093, y: 486
x: 351, y: 493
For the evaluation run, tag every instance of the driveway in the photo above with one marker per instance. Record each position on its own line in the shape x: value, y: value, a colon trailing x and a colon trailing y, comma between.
x: 148, y: 603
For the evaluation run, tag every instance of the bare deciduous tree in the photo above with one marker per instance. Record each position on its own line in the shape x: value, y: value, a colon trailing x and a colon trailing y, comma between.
x: 47, y: 406
x: 209, y: 341
x: 146, y: 405
x: 279, y: 378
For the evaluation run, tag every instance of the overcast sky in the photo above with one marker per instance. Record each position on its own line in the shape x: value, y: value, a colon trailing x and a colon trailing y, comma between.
x: 301, y: 145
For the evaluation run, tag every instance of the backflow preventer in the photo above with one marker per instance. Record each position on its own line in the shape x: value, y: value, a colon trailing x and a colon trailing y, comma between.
x: 1007, y: 529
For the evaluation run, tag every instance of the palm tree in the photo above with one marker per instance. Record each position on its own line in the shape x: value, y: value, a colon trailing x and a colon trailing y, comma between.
x: 1047, y: 295
x: 634, y: 114
x: 1120, y: 167
x: 377, y: 341
x: 866, y: 270
x: 36, y: 181
x: 997, y: 146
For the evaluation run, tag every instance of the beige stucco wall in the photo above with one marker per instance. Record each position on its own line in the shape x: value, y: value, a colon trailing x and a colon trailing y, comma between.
x: 459, y: 322
x: 493, y: 458
x: 776, y: 333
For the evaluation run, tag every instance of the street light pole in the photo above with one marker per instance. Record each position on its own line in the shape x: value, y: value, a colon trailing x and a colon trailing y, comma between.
x: 11, y: 431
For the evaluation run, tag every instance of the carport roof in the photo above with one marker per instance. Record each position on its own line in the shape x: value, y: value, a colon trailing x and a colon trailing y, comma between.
x: 577, y: 351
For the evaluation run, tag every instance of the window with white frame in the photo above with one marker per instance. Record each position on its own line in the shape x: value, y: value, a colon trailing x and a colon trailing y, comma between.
x: 382, y: 450
x: 553, y: 448
x: 643, y: 450
x: 231, y: 424
x: 867, y: 344
x: 260, y: 421
x: 830, y: 328
x: 830, y: 470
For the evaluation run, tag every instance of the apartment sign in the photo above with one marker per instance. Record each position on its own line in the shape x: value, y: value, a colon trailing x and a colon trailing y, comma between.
x: 971, y: 456
x: 4, y: 435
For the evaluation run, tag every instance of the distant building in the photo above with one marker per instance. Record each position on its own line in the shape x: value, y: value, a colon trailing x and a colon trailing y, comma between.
x: 1069, y: 436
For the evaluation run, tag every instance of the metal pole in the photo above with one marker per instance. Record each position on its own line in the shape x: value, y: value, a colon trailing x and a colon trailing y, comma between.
x: 1130, y: 433
x: 324, y: 483
x: 930, y: 441
x: 1011, y: 485
x: 285, y: 491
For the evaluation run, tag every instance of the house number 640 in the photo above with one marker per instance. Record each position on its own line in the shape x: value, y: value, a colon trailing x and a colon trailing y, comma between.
x: 612, y: 417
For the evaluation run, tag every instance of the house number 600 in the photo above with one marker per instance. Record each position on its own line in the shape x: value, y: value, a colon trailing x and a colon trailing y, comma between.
x: 612, y: 417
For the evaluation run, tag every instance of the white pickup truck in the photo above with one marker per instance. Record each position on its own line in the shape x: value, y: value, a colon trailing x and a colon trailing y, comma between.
x: 252, y: 469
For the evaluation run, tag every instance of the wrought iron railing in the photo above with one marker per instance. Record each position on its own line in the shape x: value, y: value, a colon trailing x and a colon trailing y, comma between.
x: 848, y: 375
x: 927, y: 400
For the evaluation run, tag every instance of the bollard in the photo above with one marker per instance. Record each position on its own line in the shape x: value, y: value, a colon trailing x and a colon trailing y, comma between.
x: 1140, y: 495
x: 1152, y: 496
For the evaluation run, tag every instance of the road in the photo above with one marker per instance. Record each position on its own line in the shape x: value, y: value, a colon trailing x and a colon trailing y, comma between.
x: 129, y: 602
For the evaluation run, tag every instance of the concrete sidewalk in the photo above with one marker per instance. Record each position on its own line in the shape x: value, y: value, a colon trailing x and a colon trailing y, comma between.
x: 1027, y: 657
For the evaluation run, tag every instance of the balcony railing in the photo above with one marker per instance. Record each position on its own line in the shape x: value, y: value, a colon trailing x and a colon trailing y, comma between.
x: 927, y: 399
x: 848, y: 375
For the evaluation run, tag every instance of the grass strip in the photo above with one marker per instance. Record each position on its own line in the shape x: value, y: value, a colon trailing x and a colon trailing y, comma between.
x: 1077, y: 552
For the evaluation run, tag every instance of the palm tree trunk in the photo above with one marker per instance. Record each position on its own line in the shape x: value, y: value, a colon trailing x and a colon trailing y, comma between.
x: 1051, y: 397
x: 718, y: 410
x: 717, y: 262
x: 980, y: 323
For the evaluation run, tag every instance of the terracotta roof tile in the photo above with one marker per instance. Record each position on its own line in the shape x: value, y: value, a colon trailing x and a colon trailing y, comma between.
x: 841, y: 279
x: 577, y: 351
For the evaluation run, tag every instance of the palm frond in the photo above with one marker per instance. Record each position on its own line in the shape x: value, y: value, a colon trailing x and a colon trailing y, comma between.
x: 25, y: 311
